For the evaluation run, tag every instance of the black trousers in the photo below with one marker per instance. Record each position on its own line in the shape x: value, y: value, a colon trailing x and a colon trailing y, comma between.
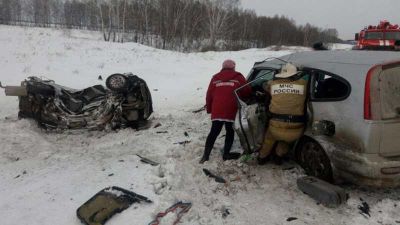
x: 215, y: 131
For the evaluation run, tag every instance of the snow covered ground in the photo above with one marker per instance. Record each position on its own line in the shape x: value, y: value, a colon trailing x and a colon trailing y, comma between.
x: 45, y: 177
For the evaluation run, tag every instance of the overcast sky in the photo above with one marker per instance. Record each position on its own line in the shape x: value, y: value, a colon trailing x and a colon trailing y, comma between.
x: 347, y: 16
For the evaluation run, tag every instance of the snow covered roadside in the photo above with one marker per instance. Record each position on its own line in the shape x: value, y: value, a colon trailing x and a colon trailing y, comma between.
x: 45, y: 177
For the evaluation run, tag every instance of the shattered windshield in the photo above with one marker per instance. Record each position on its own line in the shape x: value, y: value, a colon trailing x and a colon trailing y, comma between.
x: 261, y: 76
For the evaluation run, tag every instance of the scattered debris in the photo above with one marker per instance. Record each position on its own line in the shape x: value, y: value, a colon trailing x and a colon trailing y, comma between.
x: 199, y: 110
x: 217, y: 178
x: 106, y: 203
x: 237, y: 178
x: 182, y: 143
x: 246, y: 158
x: 288, y: 167
x: 100, y: 78
x: 162, y: 132
x: 121, y: 160
x: 155, y: 89
x: 225, y: 213
x: 291, y: 219
x: 186, y: 134
x: 147, y: 161
x: 364, y: 208
x: 157, y: 125
x: 323, y: 192
x: 17, y: 176
x: 181, y: 207
x: 111, y: 174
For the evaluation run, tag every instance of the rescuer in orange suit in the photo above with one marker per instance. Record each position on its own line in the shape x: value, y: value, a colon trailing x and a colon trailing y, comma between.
x: 288, y: 92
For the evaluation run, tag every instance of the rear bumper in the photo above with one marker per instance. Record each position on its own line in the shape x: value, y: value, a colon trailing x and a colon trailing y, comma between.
x: 360, y: 168
x: 369, y: 170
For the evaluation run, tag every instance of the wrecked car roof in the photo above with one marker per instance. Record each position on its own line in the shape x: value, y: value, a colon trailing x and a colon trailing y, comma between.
x: 358, y: 62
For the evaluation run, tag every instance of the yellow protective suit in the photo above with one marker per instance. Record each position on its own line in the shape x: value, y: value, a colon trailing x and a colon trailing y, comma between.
x: 288, y: 98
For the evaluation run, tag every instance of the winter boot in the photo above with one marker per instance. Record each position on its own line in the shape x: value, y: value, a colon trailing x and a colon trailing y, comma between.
x: 206, y: 156
x: 263, y: 161
x: 278, y: 160
x: 228, y: 155
x: 231, y: 156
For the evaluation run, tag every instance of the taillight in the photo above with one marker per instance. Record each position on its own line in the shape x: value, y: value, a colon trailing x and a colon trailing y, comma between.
x: 367, y: 94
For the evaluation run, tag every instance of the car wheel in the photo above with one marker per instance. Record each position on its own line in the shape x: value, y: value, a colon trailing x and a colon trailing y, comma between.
x: 117, y: 82
x: 313, y: 159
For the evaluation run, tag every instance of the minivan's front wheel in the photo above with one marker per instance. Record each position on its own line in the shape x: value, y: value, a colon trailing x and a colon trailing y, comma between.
x: 313, y: 159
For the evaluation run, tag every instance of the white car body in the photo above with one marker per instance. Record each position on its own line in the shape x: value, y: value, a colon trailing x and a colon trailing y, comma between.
x: 365, y: 147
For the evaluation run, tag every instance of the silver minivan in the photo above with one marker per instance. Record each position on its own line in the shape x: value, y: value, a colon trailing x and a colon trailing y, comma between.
x: 353, y: 110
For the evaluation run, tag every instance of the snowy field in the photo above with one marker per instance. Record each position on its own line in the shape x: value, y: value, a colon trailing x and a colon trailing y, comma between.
x: 45, y: 177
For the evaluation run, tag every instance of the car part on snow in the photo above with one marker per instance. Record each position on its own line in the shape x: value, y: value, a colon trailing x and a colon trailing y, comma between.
x: 126, y: 103
x: 364, y: 208
x: 320, y: 46
x: 323, y: 192
x: 291, y: 219
x: 14, y: 90
x: 147, y: 161
x: 225, y: 212
x: 107, y: 203
x: 199, y: 110
x: 218, y: 179
x: 182, y: 142
x: 162, y: 132
x: 180, y: 207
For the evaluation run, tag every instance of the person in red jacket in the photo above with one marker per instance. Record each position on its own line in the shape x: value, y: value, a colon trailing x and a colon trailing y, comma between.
x: 222, y: 104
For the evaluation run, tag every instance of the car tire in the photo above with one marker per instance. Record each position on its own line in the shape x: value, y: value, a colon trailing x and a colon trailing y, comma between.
x: 313, y: 159
x: 117, y: 82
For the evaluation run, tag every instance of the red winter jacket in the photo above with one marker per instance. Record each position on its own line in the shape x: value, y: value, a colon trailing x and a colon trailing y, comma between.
x: 221, y: 101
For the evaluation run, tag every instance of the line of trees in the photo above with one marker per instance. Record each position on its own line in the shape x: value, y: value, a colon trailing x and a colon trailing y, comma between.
x: 184, y: 25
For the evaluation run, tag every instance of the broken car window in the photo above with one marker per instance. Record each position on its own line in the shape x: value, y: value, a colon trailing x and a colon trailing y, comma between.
x: 326, y: 87
x: 260, y: 77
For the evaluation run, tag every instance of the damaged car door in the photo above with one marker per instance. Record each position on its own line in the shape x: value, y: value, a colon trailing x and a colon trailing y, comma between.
x: 252, y: 118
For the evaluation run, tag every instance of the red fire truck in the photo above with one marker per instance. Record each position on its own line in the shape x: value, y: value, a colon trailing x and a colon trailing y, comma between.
x: 385, y: 36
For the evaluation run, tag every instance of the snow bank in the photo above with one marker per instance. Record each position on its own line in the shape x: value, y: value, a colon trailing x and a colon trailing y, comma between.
x: 45, y: 177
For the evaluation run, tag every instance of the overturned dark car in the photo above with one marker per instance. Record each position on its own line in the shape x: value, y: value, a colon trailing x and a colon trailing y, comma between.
x: 124, y: 102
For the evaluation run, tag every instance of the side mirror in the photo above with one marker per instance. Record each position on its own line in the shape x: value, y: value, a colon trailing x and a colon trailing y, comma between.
x: 323, y: 127
x: 357, y: 36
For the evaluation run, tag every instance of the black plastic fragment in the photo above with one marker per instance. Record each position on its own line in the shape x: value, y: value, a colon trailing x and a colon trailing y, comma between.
x: 322, y: 192
x: 218, y: 179
x: 291, y: 219
x: 364, y: 208
x: 147, y: 161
